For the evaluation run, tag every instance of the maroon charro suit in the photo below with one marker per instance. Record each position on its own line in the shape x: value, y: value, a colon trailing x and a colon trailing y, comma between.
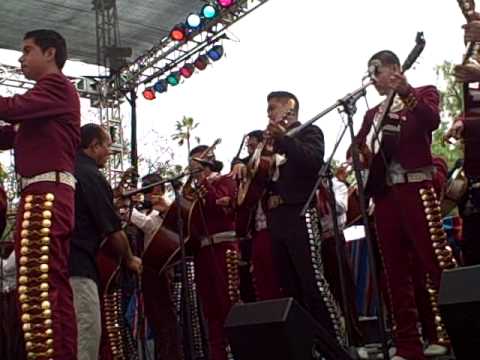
x: 265, y: 277
x: 216, y: 264
x: 408, y: 222
x: 48, y: 117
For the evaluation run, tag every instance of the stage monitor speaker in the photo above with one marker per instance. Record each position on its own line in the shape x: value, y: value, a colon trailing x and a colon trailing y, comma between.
x: 278, y: 329
x: 459, y: 303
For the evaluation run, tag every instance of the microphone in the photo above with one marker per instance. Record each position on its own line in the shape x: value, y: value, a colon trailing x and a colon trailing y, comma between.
x: 373, y: 68
x: 214, y: 165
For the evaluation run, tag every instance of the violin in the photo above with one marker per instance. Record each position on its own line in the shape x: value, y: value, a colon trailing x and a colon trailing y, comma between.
x: 191, y: 189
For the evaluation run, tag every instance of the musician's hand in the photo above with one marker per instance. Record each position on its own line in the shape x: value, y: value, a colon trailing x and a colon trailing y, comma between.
x: 466, y: 73
x: 239, y: 172
x: 224, y: 201
x: 455, y: 131
x: 342, y: 172
x: 134, y: 263
x: 472, y: 31
x: 276, y: 130
x: 398, y: 83
x: 160, y: 204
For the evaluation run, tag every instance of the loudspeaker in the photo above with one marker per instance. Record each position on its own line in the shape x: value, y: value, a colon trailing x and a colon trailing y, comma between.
x: 459, y: 303
x: 278, y: 329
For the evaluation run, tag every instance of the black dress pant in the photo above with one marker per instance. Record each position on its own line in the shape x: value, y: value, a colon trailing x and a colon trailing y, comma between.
x: 293, y: 261
x: 12, y: 346
x: 471, y: 223
x: 471, y: 239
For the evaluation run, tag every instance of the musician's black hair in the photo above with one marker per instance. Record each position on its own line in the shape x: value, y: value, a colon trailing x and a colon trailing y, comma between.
x: 386, y: 57
x: 284, y: 95
x: 47, y: 39
x: 152, y: 178
x: 91, y: 132
x: 197, y: 149
x: 257, y: 134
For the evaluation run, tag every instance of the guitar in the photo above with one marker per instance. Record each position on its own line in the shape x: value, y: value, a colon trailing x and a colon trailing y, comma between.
x: 471, y: 100
x: 108, y: 262
x: 259, y: 172
x: 117, y: 341
x: 384, y: 134
x: 255, y: 162
x: 165, y: 245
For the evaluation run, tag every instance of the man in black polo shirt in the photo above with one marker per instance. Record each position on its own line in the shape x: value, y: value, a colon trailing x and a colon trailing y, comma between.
x: 95, y: 220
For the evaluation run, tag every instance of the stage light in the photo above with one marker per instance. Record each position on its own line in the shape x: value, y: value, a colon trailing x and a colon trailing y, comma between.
x: 178, y: 33
x: 149, y: 93
x: 160, y: 86
x: 193, y: 21
x: 173, y: 78
x: 209, y: 11
x: 201, y: 62
x: 187, y: 70
x: 215, y: 53
x: 225, y: 3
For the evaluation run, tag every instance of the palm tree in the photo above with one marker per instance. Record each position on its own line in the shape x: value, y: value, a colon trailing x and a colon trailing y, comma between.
x: 184, y: 129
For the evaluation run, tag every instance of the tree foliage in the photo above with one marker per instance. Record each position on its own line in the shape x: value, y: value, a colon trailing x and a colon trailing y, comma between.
x: 451, y: 105
x: 183, y: 132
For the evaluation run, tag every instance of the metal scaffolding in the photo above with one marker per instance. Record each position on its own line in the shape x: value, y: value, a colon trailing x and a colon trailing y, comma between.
x: 107, y: 101
x: 118, y: 80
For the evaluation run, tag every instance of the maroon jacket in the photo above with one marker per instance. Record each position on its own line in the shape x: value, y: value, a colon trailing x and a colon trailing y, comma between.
x: 418, y: 123
x: 219, y: 218
x: 49, y: 126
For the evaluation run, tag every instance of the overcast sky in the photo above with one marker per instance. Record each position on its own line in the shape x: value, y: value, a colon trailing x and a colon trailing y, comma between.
x: 315, y: 49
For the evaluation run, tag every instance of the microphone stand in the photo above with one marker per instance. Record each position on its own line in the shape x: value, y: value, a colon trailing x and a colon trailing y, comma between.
x: 358, y: 93
x: 348, y: 103
x: 185, y: 305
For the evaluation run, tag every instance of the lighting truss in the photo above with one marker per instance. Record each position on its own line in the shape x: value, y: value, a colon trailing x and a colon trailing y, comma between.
x: 169, y: 54
x: 12, y: 76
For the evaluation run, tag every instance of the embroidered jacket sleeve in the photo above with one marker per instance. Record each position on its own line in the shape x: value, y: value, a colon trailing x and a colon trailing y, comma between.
x: 44, y: 100
x: 424, y: 103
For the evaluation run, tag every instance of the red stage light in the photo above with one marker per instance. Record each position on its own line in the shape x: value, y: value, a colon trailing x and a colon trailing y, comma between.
x: 201, y: 62
x: 178, y: 33
x: 225, y: 3
x: 149, y: 93
x: 187, y: 70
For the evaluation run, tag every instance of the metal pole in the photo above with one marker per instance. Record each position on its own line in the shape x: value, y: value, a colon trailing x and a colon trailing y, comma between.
x: 133, y: 150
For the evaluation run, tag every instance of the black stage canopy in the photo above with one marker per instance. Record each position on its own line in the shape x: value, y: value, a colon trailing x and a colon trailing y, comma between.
x: 142, y: 22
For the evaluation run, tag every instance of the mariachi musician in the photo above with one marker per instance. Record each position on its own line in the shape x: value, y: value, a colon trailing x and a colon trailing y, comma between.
x: 296, y: 245
x: 44, y: 131
x: 217, y: 254
x: 252, y: 221
x: 159, y: 307
x: 96, y: 219
x: 407, y: 213
x: 467, y: 127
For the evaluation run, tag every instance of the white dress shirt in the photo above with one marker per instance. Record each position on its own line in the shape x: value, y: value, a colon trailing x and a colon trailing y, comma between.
x: 149, y: 224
